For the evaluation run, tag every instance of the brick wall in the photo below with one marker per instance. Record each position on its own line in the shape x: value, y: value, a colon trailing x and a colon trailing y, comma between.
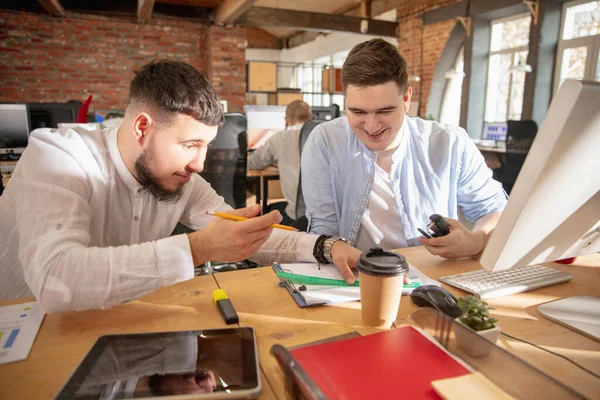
x: 415, y: 38
x: 226, y: 48
x: 43, y: 58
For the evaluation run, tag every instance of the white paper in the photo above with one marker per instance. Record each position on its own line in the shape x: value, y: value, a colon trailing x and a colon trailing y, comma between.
x: 315, y: 294
x: 19, y: 325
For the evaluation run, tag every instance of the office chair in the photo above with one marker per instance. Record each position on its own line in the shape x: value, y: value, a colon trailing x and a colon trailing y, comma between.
x: 225, y: 165
x: 225, y: 170
x: 520, y: 136
x: 301, y: 221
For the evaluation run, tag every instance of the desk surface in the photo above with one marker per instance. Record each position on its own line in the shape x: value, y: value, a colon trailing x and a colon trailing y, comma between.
x: 492, y: 149
x: 271, y: 170
x: 65, y: 338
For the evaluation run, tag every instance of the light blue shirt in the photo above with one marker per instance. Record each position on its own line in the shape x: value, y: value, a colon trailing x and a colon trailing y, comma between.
x: 436, y: 169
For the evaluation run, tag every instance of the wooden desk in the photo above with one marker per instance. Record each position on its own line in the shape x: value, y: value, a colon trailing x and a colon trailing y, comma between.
x: 260, y: 301
x: 492, y: 149
x: 495, y: 157
x: 264, y: 176
x: 65, y: 338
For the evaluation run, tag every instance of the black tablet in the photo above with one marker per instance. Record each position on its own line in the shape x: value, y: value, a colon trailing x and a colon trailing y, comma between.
x: 205, y: 364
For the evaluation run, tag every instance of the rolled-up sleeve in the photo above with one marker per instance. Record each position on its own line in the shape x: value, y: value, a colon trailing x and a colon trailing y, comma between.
x: 478, y: 193
x: 317, y: 187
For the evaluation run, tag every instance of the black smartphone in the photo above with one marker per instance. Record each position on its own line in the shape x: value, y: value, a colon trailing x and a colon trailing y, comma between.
x: 428, y: 236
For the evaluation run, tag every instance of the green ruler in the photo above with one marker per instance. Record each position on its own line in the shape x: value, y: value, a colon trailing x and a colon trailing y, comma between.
x: 311, y: 280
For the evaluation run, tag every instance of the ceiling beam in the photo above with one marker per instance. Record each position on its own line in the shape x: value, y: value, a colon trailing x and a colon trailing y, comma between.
x: 231, y: 10
x: 53, y: 7
x: 365, y: 8
x: 144, y: 10
x: 301, y: 38
x: 301, y: 20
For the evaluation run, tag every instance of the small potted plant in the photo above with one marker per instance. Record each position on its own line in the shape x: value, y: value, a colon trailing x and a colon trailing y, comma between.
x: 476, y: 316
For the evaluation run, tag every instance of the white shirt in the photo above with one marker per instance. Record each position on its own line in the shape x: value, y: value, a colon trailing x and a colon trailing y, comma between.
x: 78, y: 232
x: 282, y: 149
x: 381, y: 225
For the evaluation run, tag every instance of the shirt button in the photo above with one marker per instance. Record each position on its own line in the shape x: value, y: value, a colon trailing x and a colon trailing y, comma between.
x: 136, y: 218
x: 358, y: 211
x: 140, y: 190
x: 372, y: 155
x: 370, y: 180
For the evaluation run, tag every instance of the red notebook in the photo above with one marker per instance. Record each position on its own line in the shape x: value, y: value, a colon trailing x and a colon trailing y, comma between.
x: 400, y: 363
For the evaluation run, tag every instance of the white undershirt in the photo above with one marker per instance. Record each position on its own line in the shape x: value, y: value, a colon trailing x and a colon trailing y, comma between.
x: 381, y: 224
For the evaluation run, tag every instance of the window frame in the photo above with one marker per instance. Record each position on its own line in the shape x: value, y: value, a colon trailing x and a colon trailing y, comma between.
x: 591, y: 42
x: 512, y: 51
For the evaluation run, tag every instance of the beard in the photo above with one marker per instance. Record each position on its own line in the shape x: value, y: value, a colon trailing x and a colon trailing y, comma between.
x: 150, y: 183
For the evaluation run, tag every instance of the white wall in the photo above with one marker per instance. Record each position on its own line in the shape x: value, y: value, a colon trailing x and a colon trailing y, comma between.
x: 263, y: 55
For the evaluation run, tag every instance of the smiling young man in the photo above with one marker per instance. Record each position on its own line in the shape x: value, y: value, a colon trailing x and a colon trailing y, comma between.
x: 86, y: 219
x: 375, y: 176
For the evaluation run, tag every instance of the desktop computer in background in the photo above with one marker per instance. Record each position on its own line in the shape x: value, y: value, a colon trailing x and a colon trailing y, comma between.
x: 49, y: 115
x: 263, y: 122
x: 326, y: 113
x: 553, y: 211
x: 495, y: 131
x: 14, y: 130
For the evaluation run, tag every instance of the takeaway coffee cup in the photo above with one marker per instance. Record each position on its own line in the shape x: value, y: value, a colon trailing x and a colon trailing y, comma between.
x: 381, y: 275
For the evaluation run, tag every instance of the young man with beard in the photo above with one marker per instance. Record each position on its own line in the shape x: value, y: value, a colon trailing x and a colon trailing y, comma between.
x: 375, y: 176
x: 86, y: 218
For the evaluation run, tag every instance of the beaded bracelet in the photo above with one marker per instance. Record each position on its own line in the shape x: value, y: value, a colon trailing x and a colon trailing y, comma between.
x: 318, y: 249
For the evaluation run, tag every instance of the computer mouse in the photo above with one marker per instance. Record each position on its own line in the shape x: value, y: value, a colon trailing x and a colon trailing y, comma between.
x: 436, y: 297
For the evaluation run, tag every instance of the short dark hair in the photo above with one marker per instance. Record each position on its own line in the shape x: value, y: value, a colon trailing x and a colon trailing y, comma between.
x: 172, y: 87
x: 374, y: 62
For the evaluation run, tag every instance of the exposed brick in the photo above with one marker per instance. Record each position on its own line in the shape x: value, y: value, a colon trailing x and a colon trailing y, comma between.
x: 43, y: 58
x: 420, y: 45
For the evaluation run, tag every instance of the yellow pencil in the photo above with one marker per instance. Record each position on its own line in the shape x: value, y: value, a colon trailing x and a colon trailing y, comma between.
x: 238, y: 218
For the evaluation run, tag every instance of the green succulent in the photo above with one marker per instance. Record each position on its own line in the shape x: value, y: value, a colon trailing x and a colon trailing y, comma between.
x: 476, y: 313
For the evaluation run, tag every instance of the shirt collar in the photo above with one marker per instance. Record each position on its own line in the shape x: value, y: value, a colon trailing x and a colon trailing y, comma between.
x: 297, y: 126
x: 115, y: 156
x: 404, y: 132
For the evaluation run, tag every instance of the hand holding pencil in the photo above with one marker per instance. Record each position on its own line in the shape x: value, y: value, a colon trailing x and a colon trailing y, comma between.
x: 233, y: 217
x: 226, y: 241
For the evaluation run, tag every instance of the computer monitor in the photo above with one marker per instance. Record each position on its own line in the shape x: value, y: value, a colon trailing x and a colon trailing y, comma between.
x: 263, y: 122
x: 14, y: 128
x: 553, y: 211
x: 326, y: 113
x: 49, y: 115
x: 495, y: 131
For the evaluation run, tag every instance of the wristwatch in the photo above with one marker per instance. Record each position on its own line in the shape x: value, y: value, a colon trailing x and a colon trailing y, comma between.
x: 329, y: 242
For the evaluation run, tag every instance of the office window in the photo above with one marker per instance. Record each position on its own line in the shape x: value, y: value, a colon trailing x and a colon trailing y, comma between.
x: 309, y: 78
x: 506, y: 69
x: 579, y: 45
x: 339, y: 99
x: 450, y: 110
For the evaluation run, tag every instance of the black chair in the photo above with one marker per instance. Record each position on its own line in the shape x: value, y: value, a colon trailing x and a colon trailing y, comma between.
x: 225, y: 165
x: 225, y: 170
x: 520, y: 136
x: 301, y: 221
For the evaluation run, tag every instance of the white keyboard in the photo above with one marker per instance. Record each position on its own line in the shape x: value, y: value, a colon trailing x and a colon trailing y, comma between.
x: 488, y: 285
